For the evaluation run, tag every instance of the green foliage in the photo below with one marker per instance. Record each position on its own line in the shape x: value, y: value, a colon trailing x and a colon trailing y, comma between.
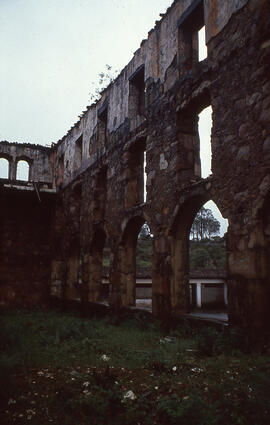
x: 144, y: 248
x: 144, y: 252
x: 188, y: 374
x: 8, y: 366
x: 145, y: 232
x: 201, y: 258
x: 99, y: 403
x: 106, y: 256
x: 191, y: 410
x: 212, y: 342
x: 207, y: 254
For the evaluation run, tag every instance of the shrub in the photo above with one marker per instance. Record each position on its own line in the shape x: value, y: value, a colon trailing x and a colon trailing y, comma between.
x: 191, y: 410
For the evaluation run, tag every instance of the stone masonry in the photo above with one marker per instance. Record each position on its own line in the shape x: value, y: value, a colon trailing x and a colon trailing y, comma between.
x: 88, y: 188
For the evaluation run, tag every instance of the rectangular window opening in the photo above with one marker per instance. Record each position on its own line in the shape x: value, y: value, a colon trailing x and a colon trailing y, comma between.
x: 191, y: 39
x: 194, y: 151
x: 137, y: 93
x: 103, y: 124
x: 135, y: 189
x: 60, y: 171
x: 202, y: 45
x: 205, y: 130
x: 78, y: 152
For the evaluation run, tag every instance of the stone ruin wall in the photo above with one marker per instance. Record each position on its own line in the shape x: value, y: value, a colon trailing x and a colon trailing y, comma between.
x: 98, y: 170
x: 25, y: 226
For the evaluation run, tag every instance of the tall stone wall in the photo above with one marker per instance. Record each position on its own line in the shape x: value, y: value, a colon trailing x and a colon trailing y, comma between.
x: 25, y: 249
x: 26, y: 212
x: 152, y: 109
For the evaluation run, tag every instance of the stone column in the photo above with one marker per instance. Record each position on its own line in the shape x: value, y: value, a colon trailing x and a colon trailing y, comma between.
x: 94, y: 275
x: 180, y: 296
x: 116, y: 294
x: 12, y: 169
x: 199, y: 295
x: 161, y: 278
x: 225, y: 294
x: 248, y: 284
x: 127, y: 257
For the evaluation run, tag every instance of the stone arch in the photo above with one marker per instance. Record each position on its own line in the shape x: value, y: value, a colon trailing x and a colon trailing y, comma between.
x: 127, y: 255
x: 179, y: 236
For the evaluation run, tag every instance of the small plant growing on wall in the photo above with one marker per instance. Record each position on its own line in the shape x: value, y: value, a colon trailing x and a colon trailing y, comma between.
x: 105, y: 78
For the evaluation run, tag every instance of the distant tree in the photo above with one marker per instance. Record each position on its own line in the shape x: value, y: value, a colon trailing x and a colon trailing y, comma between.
x: 145, y: 233
x: 205, y: 225
x: 200, y: 258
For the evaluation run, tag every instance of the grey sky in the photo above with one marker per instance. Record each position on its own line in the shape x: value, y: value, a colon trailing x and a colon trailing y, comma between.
x: 53, y: 50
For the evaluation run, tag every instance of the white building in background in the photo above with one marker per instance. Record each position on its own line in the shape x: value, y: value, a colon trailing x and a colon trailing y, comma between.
x: 208, y: 288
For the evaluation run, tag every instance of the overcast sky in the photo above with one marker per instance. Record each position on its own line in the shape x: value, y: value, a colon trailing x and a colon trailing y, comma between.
x: 53, y: 50
x: 51, y: 54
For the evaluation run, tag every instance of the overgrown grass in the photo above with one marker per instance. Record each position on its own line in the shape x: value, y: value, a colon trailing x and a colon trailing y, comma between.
x: 62, y: 369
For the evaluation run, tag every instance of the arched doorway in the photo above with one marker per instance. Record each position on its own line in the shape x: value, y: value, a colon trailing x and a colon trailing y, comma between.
x: 144, y: 250
x: 182, y: 295
x: 132, y: 232
x: 208, y: 260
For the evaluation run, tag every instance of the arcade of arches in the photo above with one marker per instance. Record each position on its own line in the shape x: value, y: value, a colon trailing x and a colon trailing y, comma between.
x: 85, y: 194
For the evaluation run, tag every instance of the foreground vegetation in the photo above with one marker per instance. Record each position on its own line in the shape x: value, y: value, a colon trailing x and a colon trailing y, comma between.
x: 129, y: 369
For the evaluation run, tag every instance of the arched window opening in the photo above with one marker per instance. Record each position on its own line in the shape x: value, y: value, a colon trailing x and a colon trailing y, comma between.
x: 207, y: 260
x: 144, y: 268
x: 22, y: 172
x: 4, y: 168
x: 205, y: 128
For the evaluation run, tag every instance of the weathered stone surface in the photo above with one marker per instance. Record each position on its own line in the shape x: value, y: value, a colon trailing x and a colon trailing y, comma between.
x: 163, y: 164
x: 266, y: 145
x: 243, y: 153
